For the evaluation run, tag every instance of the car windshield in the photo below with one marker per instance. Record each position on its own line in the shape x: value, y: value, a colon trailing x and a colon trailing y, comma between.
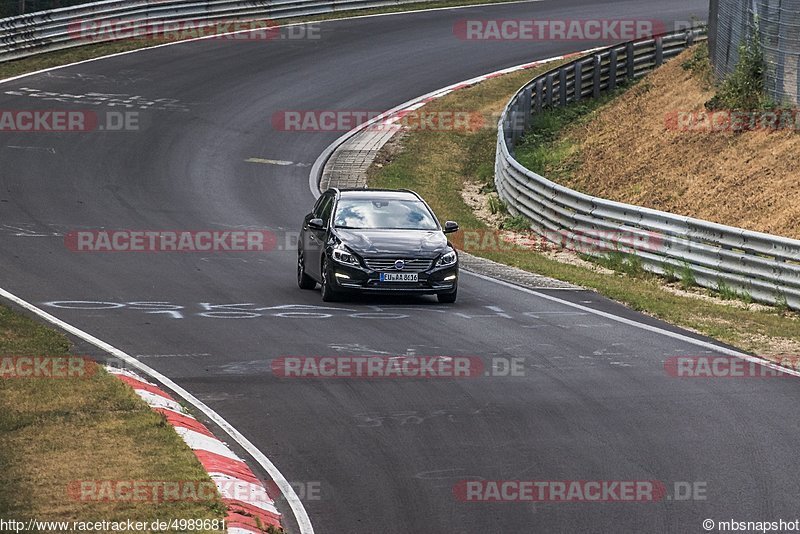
x: 383, y: 214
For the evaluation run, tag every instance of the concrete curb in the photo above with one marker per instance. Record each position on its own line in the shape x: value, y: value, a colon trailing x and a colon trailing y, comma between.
x: 344, y: 163
x: 250, y: 507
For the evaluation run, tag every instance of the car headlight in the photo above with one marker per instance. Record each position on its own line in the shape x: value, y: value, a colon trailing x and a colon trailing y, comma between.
x: 448, y: 258
x: 342, y: 255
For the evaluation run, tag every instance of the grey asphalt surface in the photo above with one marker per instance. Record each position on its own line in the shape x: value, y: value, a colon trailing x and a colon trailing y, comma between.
x: 594, y: 403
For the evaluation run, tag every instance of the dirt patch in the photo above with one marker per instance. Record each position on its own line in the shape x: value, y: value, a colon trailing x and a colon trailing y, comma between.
x: 390, y: 149
x: 631, y: 152
x: 702, y: 294
x: 480, y: 202
x: 776, y: 349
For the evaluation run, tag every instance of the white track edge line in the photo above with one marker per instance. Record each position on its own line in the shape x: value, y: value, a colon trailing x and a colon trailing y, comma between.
x: 216, y: 36
x: 300, y: 514
x: 322, y: 159
x: 643, y: 326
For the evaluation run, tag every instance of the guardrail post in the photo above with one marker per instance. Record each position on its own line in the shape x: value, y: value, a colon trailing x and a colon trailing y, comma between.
x: 507, y: 133
x: 538, y: 101
x: 516, y: 131
x: 526, y: 107
x: 514, y: 128
x: 596, y: 76
x: 612, y: 70
x: 577, y: 88
x: 659, y: 51
x: 549, y: 86
x: 629, y: 61
x: 562, y: 87
x: 689, y: 38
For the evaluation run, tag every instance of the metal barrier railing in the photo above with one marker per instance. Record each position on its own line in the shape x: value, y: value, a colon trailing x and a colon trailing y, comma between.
x: 764, y: 266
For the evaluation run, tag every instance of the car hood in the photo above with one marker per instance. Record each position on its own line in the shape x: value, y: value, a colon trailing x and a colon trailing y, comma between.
x: 401, y: 243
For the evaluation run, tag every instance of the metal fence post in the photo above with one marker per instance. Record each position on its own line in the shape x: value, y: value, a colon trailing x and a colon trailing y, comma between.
x: 507, y: 133
x: 596, y: 76
x: 538, y: 101
x: 577, y: 87
x: 629, y: 61
x: 516, y: 132
x: 526, y: 107
x: 659, y: 59
x: 562, y: 87
x: 713, y: 13
x: 612, y: 70
x: 549, y: 90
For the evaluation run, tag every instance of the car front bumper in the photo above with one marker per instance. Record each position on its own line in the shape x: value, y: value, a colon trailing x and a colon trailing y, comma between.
x: 348, y: 278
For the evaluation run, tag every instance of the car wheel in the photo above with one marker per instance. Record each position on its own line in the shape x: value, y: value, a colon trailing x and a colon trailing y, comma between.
x: 303, y: 280
x: 448, y: 298
x: 328, y: 294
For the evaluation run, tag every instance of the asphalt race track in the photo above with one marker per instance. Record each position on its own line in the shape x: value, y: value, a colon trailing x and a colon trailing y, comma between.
x: 595, y: 402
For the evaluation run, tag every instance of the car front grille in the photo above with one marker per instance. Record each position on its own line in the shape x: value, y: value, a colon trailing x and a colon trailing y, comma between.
x: 387, y: 264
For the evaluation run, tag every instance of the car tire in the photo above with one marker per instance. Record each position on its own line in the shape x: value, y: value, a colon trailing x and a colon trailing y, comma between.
x: 303, y: 280
x: 328, y: 293
x: 449, y: 297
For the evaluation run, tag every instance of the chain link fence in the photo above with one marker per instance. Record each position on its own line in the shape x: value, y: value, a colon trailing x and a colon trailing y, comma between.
x: 776, y: 25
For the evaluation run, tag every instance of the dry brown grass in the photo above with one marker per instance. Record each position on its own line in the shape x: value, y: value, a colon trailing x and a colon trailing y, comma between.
x: 626, y: 153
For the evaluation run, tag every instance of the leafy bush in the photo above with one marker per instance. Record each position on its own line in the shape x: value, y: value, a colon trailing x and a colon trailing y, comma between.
x: 743, y: 89
x: 519, y: 223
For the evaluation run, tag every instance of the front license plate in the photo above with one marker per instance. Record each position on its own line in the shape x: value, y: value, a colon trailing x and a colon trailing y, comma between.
x: 399, y: 277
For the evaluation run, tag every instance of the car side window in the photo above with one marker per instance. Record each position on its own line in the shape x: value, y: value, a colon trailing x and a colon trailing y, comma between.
x: 317, y: 211
x: 326, y: 209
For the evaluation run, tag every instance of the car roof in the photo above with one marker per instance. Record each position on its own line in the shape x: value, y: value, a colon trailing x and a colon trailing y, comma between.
x: 378, y: 193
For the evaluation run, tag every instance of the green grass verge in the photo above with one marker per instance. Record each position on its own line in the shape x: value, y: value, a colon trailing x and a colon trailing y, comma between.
x: 544, y: 150
x: 90, y: 51
x: 438, y: 164
x: 54, y: 432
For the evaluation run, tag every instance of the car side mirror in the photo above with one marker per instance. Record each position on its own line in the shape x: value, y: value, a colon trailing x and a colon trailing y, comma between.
x: 316, y: 223
x: 450, y: 227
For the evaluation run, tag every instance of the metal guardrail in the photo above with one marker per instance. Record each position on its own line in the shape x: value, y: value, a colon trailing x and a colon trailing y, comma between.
x: 764, y: 266
x: 57, y: 29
